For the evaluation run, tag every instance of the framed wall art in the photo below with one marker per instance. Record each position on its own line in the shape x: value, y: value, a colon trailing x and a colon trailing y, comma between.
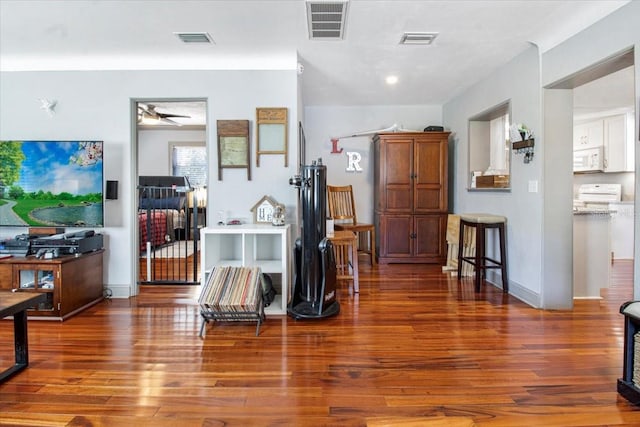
x: 271, y: 133
x: 233, y: 146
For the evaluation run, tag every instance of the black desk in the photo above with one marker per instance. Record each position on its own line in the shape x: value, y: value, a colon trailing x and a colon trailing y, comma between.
x: 16, y: 304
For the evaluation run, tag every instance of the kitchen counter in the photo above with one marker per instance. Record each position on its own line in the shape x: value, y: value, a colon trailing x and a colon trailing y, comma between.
x: 587, y: 211
x: 591, y: 252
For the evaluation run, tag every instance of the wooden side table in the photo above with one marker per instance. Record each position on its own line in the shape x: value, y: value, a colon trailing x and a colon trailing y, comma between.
x: 16, y: 304
x: 345, y: 249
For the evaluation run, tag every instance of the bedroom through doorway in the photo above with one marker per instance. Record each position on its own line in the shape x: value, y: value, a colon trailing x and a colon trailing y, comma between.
x: 171, y: 180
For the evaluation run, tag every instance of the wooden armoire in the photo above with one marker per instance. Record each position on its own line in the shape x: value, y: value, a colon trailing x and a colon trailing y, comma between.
x: 411, y: 196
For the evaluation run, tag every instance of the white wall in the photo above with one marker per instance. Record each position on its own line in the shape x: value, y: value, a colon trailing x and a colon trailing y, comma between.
x: 323, y: 123
x: 539, y: 230
x: 606, y: 38
x: 517, y: 82
x: 98, y: 105
x: 158, y: 142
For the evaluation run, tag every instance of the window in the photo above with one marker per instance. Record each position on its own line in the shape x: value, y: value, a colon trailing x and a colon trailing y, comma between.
x: 190, y: 160
x: 499, y: 145
x: 489, y: 151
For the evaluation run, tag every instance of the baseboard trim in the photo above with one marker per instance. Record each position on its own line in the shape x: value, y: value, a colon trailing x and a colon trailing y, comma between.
x: 516, y: 290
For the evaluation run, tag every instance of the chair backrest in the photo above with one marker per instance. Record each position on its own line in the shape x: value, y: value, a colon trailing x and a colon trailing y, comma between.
x: 341, y: 205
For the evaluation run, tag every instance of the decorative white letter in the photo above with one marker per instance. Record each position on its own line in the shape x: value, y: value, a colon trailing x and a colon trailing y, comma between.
x: 354, y: 161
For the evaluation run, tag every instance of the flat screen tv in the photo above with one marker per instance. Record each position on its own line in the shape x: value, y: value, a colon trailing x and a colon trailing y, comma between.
x: 51, y: 183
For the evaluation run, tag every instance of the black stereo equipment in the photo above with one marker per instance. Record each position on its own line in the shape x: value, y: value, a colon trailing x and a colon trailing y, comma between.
x: 434, y: 129
x: 78, y: 242
x: 15, y: 247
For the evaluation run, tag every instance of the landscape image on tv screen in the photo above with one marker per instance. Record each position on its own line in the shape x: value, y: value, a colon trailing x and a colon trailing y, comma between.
x: 51, y: 183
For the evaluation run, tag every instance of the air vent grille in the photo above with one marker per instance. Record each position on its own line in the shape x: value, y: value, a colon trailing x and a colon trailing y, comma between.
x: 194, y: 37
x: 418, y: 38
x: 326, y: 19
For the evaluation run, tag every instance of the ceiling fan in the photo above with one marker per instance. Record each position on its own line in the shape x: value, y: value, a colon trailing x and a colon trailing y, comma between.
x: 148, y: 115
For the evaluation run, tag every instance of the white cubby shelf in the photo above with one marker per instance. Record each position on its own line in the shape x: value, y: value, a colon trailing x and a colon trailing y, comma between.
x: 251, y: 245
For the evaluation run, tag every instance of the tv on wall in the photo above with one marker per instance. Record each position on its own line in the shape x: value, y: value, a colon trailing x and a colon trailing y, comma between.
x: 51, y: 183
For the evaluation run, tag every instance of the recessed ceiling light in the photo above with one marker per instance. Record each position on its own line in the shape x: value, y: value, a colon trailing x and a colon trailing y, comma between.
x: 391, y: 80
x: 417, y: 38
x: 195, y: 37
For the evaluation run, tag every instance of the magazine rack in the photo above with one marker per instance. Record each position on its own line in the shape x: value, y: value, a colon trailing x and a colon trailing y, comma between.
x: 232, y: 294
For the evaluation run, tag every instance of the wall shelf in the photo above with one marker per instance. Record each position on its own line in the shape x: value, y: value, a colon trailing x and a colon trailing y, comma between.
x: 527, y: 143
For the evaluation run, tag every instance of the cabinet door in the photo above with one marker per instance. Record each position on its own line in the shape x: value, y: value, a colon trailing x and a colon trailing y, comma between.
x: 622, y: 230
x: 430, y: 174
x: 396, y: 162
x: 615, y: 144
x: 39, y: 278
x: 429, y: 232
x: 395, y: 236
x: 588, y: 135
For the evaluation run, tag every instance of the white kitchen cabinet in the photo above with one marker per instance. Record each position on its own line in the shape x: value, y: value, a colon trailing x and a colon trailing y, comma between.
x: 251, y: 245
x: 622, y: 230
x: 618, y: 144
x: 588, y: 135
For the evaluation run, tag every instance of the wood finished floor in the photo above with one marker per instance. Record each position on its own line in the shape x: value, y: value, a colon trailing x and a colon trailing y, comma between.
x: 414, y: 344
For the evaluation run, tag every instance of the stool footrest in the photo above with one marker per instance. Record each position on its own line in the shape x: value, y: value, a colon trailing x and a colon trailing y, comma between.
x: 472, y: 261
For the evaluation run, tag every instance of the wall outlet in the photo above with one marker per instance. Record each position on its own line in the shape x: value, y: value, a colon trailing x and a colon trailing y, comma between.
x: 533, y: 186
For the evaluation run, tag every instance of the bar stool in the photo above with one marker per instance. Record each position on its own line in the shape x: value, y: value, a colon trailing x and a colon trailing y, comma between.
x: 481, y: 223
x: 345, y: 249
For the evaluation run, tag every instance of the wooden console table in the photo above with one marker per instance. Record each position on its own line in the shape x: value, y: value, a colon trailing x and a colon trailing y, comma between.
x: 69, y: 283
x: 16, y: 304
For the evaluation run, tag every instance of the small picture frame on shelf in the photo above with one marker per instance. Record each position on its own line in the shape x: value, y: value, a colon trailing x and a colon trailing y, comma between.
x: 264, y: 210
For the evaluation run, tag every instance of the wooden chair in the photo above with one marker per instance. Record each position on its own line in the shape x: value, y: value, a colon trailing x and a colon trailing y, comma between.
x: 342, y: 209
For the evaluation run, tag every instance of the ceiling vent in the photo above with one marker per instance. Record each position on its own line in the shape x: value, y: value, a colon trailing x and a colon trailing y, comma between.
x: 326, y: 19
x: 418, y: 38
x: 194, y: 37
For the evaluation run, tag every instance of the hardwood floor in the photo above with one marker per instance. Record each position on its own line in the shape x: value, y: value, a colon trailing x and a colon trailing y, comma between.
x: 415, y: 345
x: 170, y: 270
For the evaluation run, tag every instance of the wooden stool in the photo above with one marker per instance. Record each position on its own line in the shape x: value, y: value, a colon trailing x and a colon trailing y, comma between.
x: 345, y: 249
x: 482, y: 222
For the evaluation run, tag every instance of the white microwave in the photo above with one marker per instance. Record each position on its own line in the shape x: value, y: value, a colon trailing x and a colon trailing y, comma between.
x: 589, y: 160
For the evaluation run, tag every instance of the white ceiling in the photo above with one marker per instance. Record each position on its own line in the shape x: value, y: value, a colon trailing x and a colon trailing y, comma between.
x: 613, y: 92
x: 475, y: 38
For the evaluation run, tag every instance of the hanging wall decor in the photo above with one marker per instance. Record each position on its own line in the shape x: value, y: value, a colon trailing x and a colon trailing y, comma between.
x: 271, y: 133
x: 233, y: 146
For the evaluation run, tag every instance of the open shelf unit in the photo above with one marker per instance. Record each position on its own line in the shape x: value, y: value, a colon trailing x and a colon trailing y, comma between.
x: 251, y: 245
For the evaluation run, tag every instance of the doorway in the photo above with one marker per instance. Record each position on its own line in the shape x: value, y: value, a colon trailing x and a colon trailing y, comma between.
x: 171, y: 179
x: 558, y: 153
x: 604, y: 125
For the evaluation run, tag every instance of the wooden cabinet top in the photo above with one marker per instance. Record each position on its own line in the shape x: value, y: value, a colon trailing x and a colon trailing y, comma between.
x: 31, y: 259
x: 434, y: 135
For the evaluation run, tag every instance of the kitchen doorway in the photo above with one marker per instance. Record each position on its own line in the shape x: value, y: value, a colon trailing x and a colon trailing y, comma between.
x: 604, y: 120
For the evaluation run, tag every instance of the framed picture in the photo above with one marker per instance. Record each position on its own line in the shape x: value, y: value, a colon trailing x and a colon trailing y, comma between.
x: 233, y: 146
x: 271, y: 133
